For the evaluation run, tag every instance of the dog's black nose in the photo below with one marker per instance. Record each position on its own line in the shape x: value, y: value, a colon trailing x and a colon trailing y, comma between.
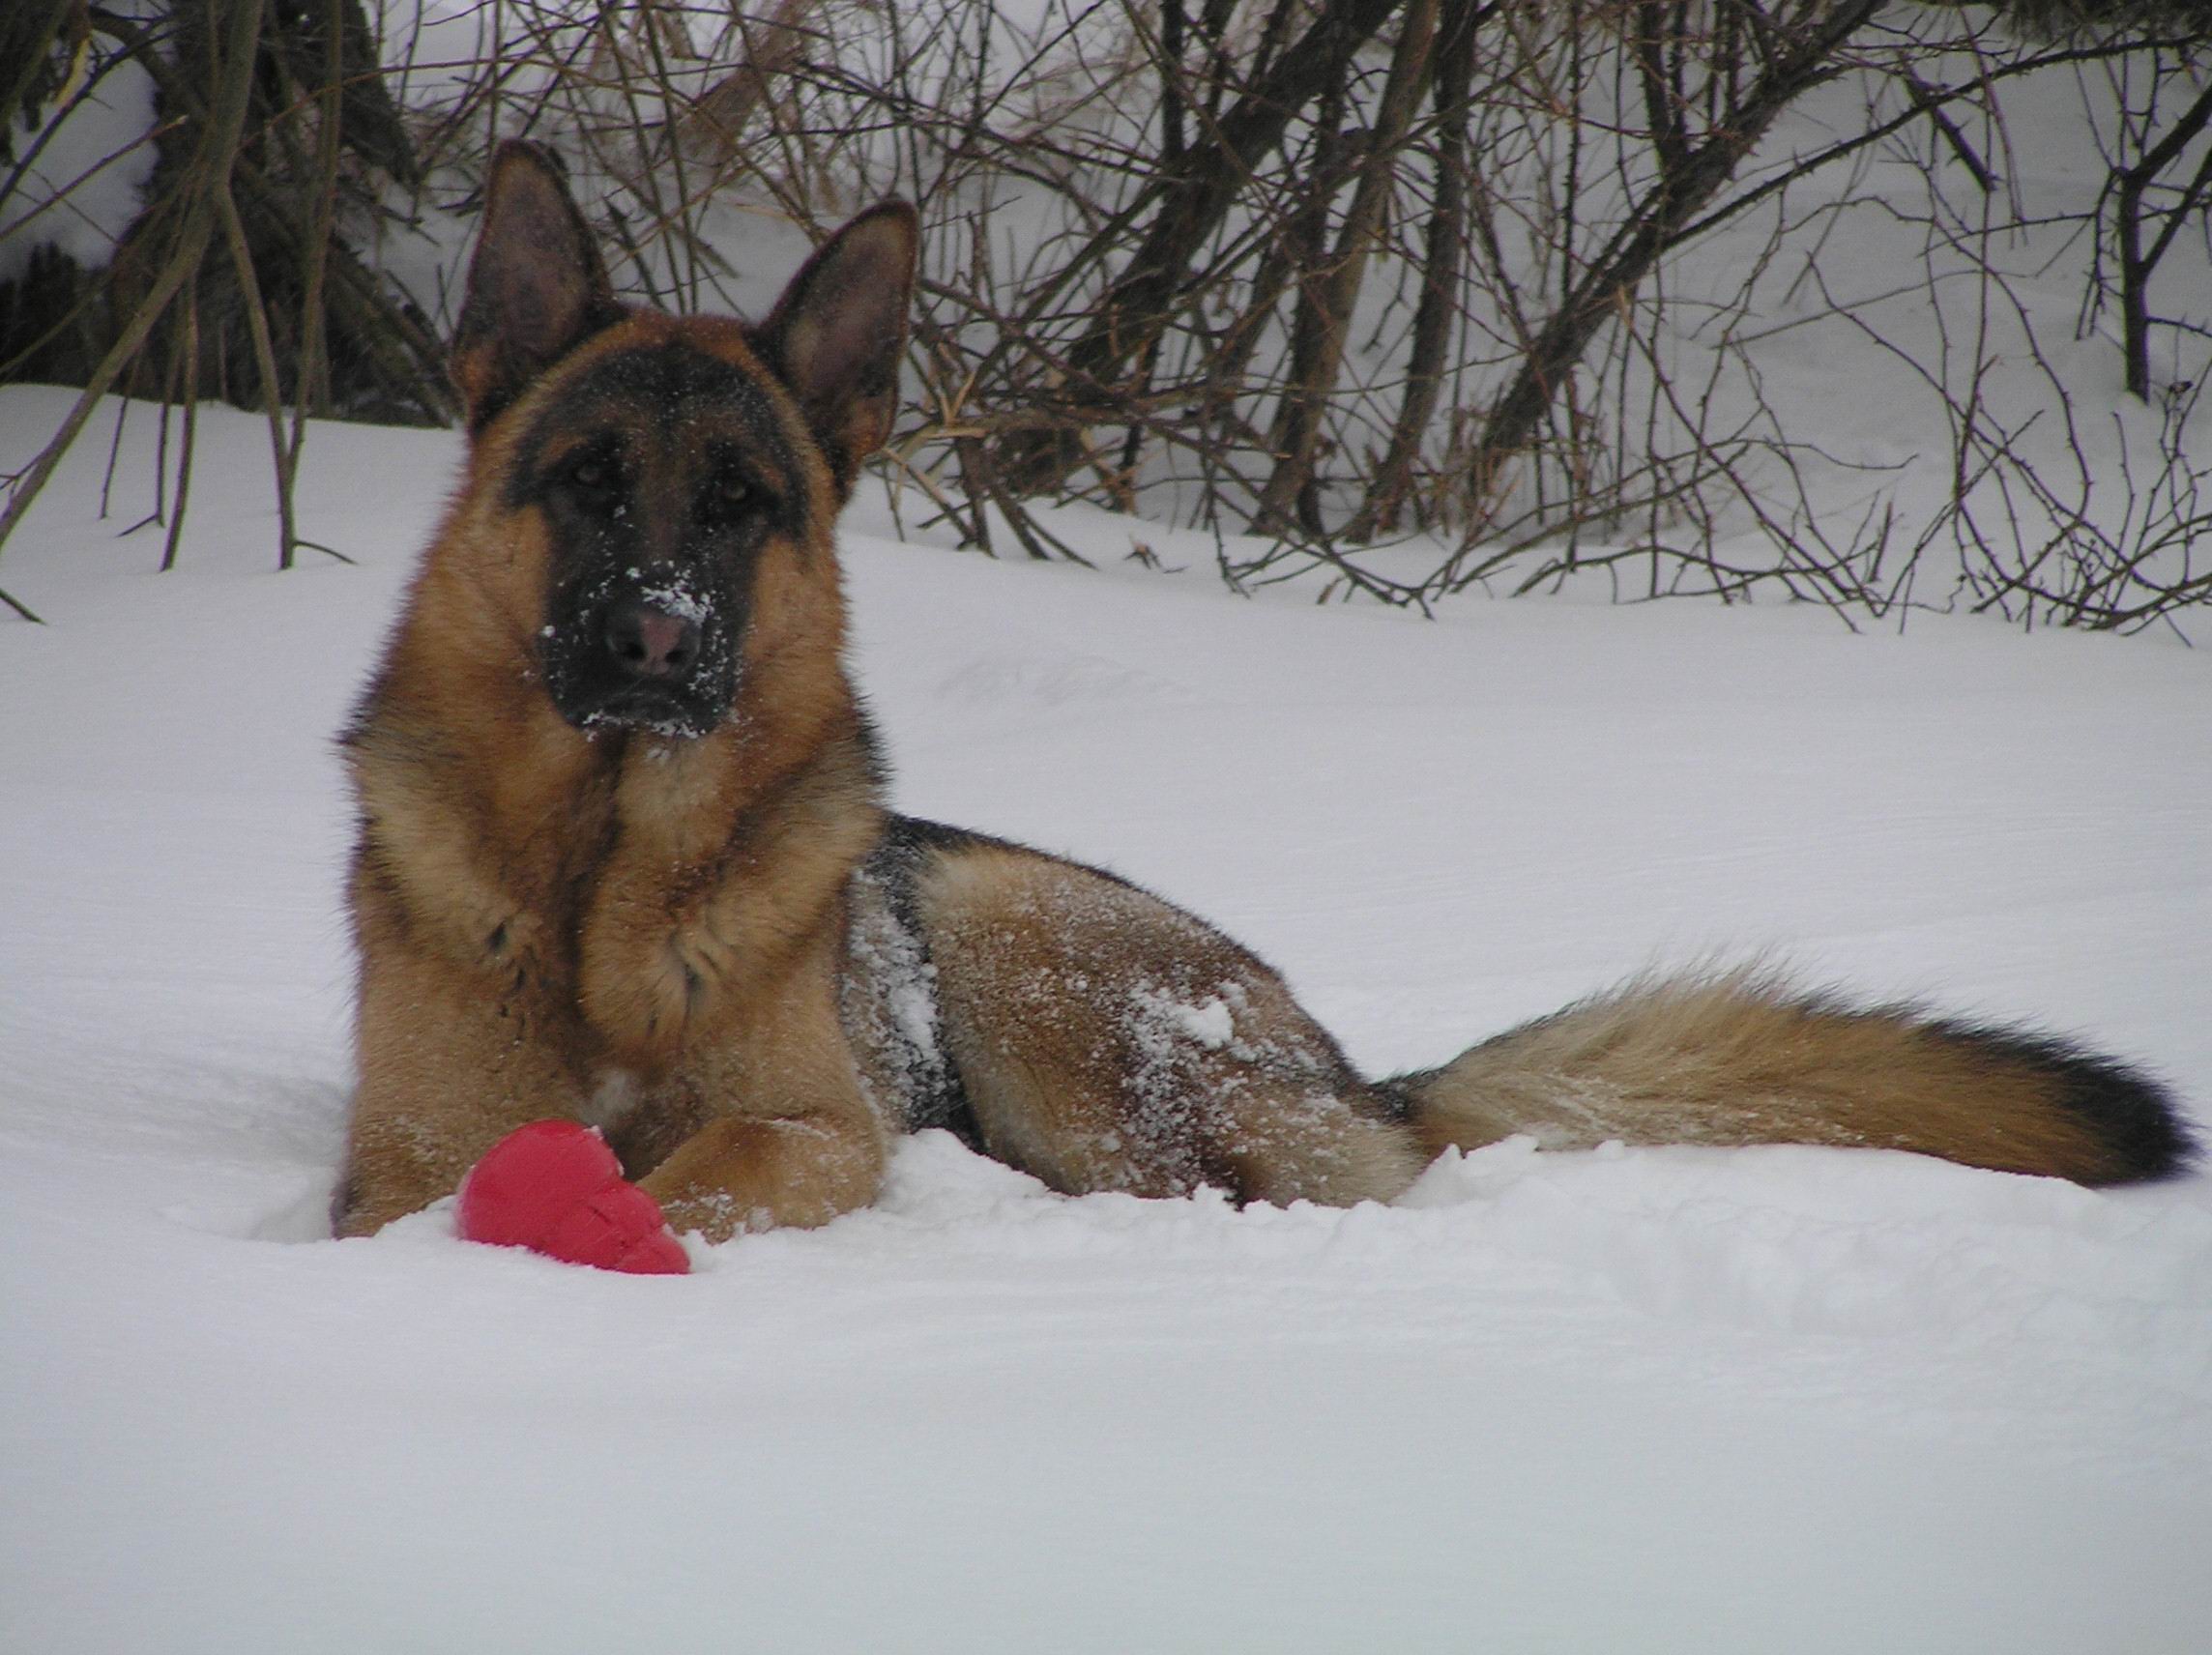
x: 650, y: 642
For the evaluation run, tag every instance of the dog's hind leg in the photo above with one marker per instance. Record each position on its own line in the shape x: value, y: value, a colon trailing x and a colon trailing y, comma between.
x: 1107, y: 1040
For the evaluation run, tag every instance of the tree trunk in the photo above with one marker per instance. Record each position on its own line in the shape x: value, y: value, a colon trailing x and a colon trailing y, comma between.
x: 1194, y: 199
x: 1608, y: 280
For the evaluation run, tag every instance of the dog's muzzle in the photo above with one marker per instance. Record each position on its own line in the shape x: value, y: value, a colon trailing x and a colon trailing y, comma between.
x: 641, y: 658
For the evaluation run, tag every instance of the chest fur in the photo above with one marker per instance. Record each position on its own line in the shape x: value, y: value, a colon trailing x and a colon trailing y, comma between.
x: 640, y: 893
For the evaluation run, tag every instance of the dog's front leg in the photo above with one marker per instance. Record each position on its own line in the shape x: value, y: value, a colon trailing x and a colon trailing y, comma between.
x: 788, y: 1137
x: 747, y: 1173
x: 453, y: 1057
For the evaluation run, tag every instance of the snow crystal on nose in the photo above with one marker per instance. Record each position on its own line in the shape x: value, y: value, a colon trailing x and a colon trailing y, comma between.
x: 674, y: 595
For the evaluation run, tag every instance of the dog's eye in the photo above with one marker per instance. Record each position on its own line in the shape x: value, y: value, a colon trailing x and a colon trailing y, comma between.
x: 593, y: 478
x: 728, y: 497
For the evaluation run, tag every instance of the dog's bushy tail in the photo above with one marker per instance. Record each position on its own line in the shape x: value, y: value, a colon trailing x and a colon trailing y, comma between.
x: 1744, y: 1058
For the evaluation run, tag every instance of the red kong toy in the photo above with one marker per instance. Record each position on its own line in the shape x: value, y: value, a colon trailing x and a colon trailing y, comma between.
x: 555, y: 1187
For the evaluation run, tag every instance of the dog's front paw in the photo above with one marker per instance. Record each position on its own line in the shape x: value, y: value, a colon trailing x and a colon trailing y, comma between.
x: 555, y: 1187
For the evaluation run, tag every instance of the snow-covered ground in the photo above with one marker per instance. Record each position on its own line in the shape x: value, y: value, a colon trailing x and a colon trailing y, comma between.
x: 1634, y: 1401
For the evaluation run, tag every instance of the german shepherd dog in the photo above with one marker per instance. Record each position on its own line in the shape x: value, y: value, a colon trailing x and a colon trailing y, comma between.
x: 623, y: 856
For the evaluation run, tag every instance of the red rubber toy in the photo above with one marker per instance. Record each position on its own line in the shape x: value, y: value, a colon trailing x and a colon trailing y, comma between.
x: 555, y: 1187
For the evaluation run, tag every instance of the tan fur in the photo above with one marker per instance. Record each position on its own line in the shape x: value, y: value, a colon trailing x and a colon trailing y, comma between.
x: 1742, y: 1059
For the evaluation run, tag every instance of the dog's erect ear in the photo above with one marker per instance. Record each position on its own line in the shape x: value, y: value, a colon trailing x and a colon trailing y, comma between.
x: 537, y: 286
x: 837, y: 334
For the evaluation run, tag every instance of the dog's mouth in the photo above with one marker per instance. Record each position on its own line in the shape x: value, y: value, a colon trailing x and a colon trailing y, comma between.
x: 654, y: 712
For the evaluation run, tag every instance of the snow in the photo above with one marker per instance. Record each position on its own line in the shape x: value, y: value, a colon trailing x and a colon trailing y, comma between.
x: 86, y: 166
x: 1629, y: 1401
x: 1210, y: 1023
